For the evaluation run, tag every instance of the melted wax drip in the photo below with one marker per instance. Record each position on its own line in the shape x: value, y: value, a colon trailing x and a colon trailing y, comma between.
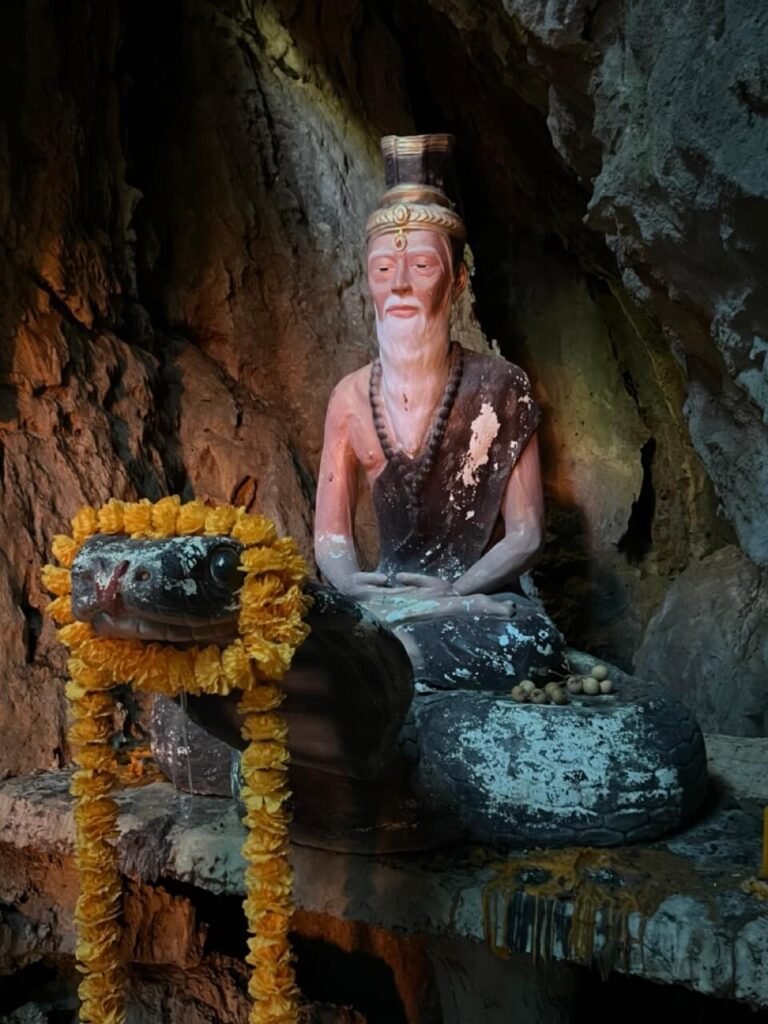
x: 577, y: 903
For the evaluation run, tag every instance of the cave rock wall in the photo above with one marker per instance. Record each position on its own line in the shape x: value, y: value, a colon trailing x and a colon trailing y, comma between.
x: 182, y: 194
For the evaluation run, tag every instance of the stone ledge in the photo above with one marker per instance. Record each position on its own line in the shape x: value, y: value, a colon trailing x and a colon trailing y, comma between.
x: 672, y: 911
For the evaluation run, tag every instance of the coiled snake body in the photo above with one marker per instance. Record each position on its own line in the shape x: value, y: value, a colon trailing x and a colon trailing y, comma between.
x: 375, y: 765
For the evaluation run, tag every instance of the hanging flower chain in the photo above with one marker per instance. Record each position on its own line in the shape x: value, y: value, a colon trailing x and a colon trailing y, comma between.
x: 270, y: 627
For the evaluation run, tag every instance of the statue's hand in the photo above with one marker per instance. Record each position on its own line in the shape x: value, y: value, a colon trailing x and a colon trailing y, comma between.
x: 365, y: 585
x: 448, y: 601
x: 429, y: 586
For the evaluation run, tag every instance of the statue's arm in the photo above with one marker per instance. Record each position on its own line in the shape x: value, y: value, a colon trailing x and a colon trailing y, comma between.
x: 523, y: 514
x: 336, y: 500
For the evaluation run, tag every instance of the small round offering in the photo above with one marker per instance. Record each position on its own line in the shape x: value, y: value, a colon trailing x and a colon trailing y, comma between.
x: 575, y: 685
x: 558, y: 695
x: 519, y: 694
x: 528, y: 686
x: 599, y: 672
x: 606, y: 686
x: 591, y: 686
x: 539, y: 697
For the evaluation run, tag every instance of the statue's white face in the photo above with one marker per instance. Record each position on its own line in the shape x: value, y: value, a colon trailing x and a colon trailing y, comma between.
x: 412, y: 288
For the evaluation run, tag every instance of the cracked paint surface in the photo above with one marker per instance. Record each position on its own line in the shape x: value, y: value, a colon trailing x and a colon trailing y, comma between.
x: 485, y: 429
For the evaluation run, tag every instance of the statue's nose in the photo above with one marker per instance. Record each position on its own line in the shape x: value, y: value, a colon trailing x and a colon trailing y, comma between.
x: 401, y: 282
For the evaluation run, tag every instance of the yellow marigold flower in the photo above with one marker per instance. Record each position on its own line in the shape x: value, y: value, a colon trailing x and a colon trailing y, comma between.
x: 74, y: 690
x: 268, y: 870
x: 75, y: 635
x: 272, y: 923
x: 64, y: 549
x: 124, y: 658
x: 164, y: 515
x: 181, y: 670
x: 236, y: 666
x: 83, y: 709
x: 191, y: 518
x: 137, y: 517
x: 93, y: 889
x: 254, y: 530
x: 91, y: 730
x: 220, y: 520
x: 84, y: 524
x: 95, y: 859
x: 263, y: 754
x: 104, y: 1007
x: 261, y: 823
x: 209, y: 675
x: 266, y: 842
x: 264, y: 697
x: 97, y: 758
x: 60, y: 610
x: 269, y: 822
x: 262, y: 893
x: 262, y: 947
x: 253, y: 622
x: 270, y: 803
x: 87, y: 676
x: 91, y: 784
x: 259, y: 590
x: 150, y: 673
x: 104, y: 808
x: 292, y: 604
x: 268, y: 726
x: 263, y: 782
x: 101, y: 945
x: 110, y: 517
x: 270, y: 981
x: 295, y: 568
x: 99, y: 900
x: 261, y: 560
x: 100, y: 652
x: 95, y: 832
x: 273, y: 1009
x: 272, y: 660
x: 89, y: 703
x: 57, y: 580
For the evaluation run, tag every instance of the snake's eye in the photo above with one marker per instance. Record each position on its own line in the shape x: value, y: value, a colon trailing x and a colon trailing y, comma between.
x: 224, y: 567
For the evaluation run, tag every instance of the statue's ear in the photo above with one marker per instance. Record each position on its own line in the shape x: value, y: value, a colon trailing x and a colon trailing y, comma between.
x: 459, y: 281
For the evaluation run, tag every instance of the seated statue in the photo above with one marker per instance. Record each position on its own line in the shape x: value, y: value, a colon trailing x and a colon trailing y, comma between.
x: 447, y: 440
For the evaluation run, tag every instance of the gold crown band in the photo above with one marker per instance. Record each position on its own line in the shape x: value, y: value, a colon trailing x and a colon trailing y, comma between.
x: 415, y: 217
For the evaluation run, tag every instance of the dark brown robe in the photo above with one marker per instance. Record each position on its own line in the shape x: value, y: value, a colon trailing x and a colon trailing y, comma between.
x: 461, y: 499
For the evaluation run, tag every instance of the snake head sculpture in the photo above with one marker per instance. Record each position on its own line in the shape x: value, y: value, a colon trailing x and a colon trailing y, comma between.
x: 181, y: 590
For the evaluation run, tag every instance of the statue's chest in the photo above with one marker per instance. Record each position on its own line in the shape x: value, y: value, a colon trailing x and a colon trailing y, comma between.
x: 411, y: 428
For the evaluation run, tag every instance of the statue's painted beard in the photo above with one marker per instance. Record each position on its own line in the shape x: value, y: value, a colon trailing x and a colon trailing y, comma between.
x: 421, y: 333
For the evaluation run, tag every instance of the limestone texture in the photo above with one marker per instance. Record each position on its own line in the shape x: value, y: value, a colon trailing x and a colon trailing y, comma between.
x: 708, y: 643
x: 182, y: 195
x: 738, y: 766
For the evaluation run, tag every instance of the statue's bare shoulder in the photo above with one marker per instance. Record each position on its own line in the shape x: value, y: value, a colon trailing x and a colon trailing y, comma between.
x: 349, y: 401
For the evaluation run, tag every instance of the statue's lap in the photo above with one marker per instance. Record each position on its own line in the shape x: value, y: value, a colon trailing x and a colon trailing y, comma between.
x: 479, y: 651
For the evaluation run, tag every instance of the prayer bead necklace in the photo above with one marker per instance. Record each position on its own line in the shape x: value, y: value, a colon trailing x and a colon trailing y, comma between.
x: 413, y: 472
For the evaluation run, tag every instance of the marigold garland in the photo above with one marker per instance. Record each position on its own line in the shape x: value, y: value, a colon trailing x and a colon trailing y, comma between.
x: 271, y: 628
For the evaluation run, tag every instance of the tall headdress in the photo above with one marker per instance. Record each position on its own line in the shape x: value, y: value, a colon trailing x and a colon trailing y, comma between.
x: 421, y: 189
